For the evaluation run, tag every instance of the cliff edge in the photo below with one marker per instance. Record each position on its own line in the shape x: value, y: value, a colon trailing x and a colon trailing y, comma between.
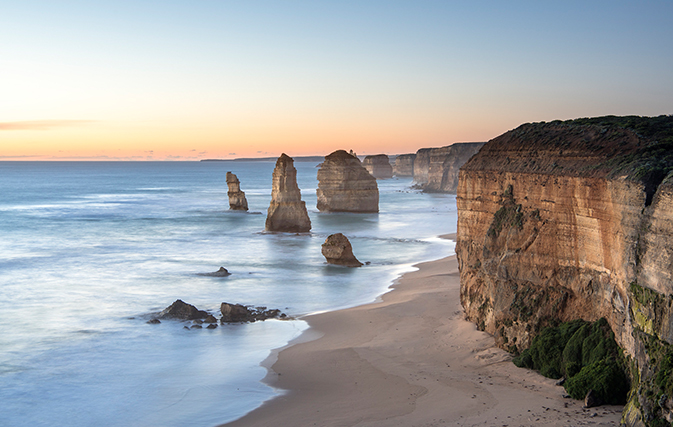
x: 568, y: 220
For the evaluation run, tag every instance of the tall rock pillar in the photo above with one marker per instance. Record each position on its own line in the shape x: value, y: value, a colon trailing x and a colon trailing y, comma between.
x: 237, y: 200
x: 287, y: 212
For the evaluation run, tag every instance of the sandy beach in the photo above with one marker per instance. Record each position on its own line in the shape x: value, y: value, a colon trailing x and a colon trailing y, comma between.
x: 411, y: 360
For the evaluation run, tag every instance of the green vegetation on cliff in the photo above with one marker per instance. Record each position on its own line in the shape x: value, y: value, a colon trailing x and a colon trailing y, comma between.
x: 650, y: 164
x: 585, y: 353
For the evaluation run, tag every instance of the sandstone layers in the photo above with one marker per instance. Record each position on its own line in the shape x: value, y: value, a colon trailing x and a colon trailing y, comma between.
x: 344, y: 185
x: 435, y: 170
x: 287, y: 212
x: 237, y: 200
x: 404, y: 165
x: 337, y: 250
x: 564, y: 221
x: 378, y: 166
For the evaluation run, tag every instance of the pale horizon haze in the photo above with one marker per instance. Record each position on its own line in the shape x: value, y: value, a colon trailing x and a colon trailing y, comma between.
x: 178, y: 80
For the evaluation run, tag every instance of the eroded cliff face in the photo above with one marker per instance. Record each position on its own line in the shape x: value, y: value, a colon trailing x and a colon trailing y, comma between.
x: 344, y: 185
x: 404, y: 165
x: 378, y: 166
x: 287, y: 212
x: 436, y: 170
x: 555, y: 224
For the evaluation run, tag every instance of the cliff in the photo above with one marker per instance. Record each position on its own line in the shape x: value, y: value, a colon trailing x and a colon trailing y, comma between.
x: 566, y: 220
x: 435, y: 170
x: 404, y: 165
x: 344, y: 185
x: 287, y: 212
x: 378, y: 166
x: 237, y: 200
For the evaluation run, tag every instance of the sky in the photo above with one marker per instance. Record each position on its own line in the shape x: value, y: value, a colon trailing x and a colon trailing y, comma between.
x: 190, y: 80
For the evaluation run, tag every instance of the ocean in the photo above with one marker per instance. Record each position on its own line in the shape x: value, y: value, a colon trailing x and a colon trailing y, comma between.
x: 88, y: 250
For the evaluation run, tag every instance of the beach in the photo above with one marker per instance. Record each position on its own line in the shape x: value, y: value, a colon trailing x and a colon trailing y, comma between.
x: 411, y: 359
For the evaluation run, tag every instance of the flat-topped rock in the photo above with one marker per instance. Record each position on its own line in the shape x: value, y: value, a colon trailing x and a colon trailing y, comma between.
x: 237, y: 200
x: 344, y: 185
x: 378, y: 166
x: 287, y: 212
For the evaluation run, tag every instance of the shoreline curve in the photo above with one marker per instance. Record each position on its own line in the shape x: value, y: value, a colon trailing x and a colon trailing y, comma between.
x: 410, y: 358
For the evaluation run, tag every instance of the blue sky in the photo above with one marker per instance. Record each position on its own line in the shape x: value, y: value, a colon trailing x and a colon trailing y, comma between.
x: 173, y: 78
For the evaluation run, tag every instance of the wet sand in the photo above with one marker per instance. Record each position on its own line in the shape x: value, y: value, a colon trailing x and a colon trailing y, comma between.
x: 411, y: 360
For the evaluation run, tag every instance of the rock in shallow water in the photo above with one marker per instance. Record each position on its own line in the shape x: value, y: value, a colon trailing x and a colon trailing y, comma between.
x: 237, y: 200
x: 183, y: 311
x: 222, y: 272
x: 338, y: 250
x: 235, y: 313
x: 344, y: 185
x: 287, y: 212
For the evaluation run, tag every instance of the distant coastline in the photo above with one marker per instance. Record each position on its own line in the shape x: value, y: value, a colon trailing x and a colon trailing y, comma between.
x: 266, y: 159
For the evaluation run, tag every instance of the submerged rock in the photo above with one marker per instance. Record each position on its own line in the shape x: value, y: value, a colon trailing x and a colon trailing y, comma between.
x: 338, y: 250
x: 153, y: 321
x: 222, y: 272
x: 183, y: 311
x: 378, y: 166
x: 344, y: 185
x: 287, y: 212
x: 237, y: 200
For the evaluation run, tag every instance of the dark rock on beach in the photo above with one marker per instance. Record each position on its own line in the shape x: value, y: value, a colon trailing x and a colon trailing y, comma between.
x: 182, y: 311
x: 591, y: 400
x: 153, y: 321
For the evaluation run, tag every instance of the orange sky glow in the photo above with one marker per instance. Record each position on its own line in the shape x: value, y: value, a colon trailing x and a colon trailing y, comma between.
x: 190, y: 81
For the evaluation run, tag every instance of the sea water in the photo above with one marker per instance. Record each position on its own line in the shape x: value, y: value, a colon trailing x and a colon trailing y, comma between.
x: 88, y: 250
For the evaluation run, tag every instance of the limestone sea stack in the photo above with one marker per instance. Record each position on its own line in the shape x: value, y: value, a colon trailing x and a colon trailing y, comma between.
x: 344, y: 185
x: 436, y: 170
x: 378, y: 166
x: 287, y: 212
x: 338, y: 250
x: 404, y: 165
x: 237, y: 200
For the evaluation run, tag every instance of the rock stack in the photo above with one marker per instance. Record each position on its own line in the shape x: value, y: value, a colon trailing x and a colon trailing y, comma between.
x: 344, y: 185
x: 338, y: 250
x: 436, y: 169
x: 237, y: 200
x: 378, y: 166
x: 404, y: 165
x: 287, y: 212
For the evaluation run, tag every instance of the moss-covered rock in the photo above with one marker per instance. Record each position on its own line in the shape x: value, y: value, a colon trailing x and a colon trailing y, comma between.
x: 586, y: 354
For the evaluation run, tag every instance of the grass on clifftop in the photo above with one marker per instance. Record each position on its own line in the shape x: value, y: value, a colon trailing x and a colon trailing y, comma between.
x: 652, y: 163
x: 585, y: 353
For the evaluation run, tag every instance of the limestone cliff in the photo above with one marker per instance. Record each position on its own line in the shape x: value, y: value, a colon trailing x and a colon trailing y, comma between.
x: 237, y: 200
x: 378, y: 166
x: 344, y: 185
x: 287, y: 212
x: 435, y: 170
x: 569, y: 220
x: 404, y: 165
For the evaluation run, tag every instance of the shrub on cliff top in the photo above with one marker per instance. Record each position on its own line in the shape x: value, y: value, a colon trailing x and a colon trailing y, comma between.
x: 585, y: 353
